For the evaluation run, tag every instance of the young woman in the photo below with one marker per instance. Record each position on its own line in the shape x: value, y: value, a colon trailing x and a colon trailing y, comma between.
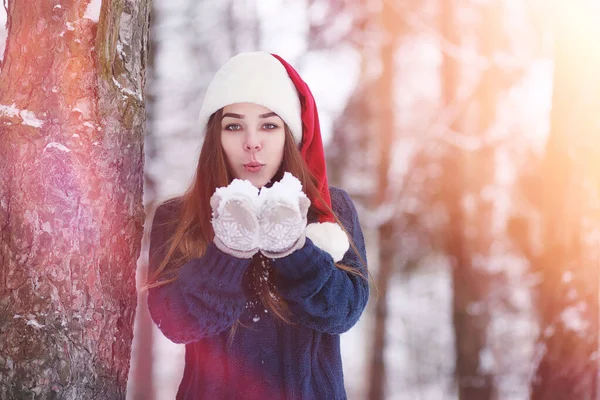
x: 260, y: 265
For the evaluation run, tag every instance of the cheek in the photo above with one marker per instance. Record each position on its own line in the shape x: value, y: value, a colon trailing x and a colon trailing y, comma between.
x: 229, y: 145
x: 277, y: 147
x: 231, y: 155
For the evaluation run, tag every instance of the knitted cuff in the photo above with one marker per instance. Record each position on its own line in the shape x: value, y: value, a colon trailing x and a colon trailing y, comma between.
x: 216, y: 266
x: 236, y: 253
x: 298, y: 245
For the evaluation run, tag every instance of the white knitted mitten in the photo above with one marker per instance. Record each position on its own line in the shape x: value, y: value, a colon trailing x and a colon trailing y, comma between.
x: 282, y: 217
x: 234, y: 219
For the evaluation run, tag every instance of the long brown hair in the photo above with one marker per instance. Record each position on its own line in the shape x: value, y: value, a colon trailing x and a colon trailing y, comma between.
x: 194, y: 231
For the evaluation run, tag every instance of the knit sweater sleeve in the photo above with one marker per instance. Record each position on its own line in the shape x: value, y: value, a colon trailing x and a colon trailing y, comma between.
x: 320, y: 295
x: 206, y: 297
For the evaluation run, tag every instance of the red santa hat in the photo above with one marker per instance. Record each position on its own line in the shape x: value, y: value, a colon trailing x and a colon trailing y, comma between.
x: 267, y: 79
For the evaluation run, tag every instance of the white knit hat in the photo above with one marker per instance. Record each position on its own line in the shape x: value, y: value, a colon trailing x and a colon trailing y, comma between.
x: 254, y: 77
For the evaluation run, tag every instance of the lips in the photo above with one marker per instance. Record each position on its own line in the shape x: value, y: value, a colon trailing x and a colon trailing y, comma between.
x: 253, y: 166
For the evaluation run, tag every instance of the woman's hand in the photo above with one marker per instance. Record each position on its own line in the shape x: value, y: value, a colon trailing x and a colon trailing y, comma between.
x: 234, y: 219
x: 282, y: 217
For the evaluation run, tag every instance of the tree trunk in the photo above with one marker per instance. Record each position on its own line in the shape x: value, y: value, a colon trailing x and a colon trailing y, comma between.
x: 381, y: 110
x: 71, y: 162
x: 570, y: 262
x: 141, y: 383
x: 470, y: 286
x: 466, y: 173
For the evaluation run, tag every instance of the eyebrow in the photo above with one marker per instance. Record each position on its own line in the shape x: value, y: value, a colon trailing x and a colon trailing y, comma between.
x: 240, y: 116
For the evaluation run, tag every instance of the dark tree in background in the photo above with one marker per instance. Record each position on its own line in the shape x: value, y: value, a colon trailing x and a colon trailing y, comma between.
x: 467, y: 171
x: 71, y: 162
x: 381, y: 112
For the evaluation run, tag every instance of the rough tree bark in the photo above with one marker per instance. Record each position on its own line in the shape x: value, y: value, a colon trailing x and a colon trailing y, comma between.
x: 71, y: 214
x: 570, y: 262
x: 141, y: 385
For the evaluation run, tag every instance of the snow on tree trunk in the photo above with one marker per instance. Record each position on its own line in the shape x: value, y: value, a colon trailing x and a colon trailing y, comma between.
x: 71, y: 213
x: 570, y: 262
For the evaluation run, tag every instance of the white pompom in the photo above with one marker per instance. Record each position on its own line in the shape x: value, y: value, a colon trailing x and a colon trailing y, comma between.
x: 330, y: 237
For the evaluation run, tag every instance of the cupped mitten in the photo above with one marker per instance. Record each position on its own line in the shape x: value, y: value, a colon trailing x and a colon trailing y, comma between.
x: 234, y: 219
x: 282, y: 216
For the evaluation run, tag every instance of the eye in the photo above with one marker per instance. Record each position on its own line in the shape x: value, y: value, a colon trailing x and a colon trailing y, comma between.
x: 270, y: 126
x: 232, y: 127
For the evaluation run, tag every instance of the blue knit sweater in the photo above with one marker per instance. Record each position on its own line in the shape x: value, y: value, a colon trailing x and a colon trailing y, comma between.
x: 267, y: 358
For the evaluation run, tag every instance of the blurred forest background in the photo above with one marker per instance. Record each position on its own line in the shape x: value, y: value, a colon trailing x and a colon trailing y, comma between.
x: 466, y: 131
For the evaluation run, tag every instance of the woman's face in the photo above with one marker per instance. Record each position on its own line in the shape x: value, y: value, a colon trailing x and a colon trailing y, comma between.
x: 252, y: 137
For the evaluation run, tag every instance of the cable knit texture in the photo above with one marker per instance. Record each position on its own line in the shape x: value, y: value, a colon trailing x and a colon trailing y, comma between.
x: 267, y: 358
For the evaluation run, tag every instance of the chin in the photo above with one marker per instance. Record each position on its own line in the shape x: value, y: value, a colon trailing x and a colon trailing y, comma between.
x: 261, y: 183
x: 258, y: 182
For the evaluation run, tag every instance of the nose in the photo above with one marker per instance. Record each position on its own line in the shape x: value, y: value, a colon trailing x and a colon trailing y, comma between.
x: 252, y: 143
x: 252, y: 146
